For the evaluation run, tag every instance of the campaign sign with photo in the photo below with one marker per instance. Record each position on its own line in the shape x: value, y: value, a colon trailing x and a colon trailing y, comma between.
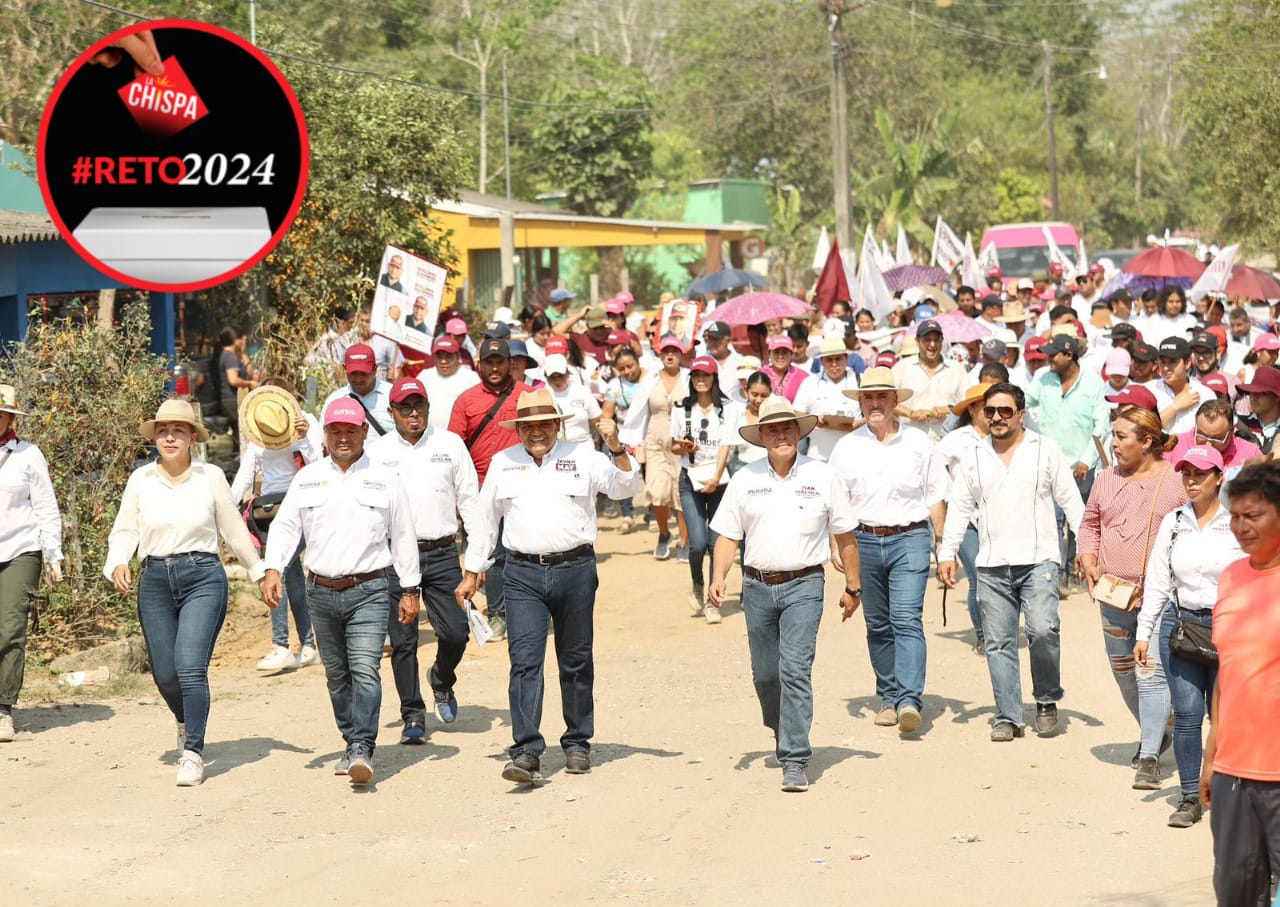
x: 680, y: 317
x: 406, y: 301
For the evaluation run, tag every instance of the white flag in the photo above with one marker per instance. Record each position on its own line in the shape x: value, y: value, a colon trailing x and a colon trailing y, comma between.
x: 970, y: 270
x: 1056, y: 254
x: 872, y: 291
x: 902, y: 255
x: 884, y: 258
x: 1215, y: 277
x: 1082, y: 260
x: 824, y: 249
x: 948, y: 251
x: 988, y: 258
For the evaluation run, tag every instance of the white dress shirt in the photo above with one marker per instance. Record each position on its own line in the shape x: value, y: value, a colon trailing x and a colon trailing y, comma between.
x: 377, y: 402
x: 955, y: 444
x: 545, y: 509
x: 576, y: 402
x: 820, y: 396
x: 278, y: 466
x: 438, y: 477
x: 386, y: 354
x: 786, y: 520
x: 720, y: 430
x: 158, y: 518
x: 443, y: 392
x: 945, y: 387
x: 29, y: 518
x: 890, y: 484
x: 356, y: 521
x: 1199, y: 557
x: 1012, y: 507
x: 1185, y: 421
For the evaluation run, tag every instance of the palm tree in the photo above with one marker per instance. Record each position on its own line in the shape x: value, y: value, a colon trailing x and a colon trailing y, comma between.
x: 918, y: 172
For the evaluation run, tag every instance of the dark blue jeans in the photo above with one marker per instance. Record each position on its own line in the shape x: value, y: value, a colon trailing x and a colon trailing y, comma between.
x: 495, y: 581
x: 1067, y: 538
x: 182, y: 602
x: 295, y: 600
x: 350, y: 625
x: 895, y: 570
x: 1029, y: 590
x: 699, y: 507
x: 561, y: 598
x: 1191, y: 689
x: 968, y: 555
x: 441, y: 574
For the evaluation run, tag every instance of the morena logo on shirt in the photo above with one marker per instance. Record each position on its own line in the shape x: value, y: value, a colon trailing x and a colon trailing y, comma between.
x: 313, y: 483
x: 752, y: 492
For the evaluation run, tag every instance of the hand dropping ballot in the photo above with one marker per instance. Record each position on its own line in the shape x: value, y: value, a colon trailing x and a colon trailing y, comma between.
x: 479, y: 624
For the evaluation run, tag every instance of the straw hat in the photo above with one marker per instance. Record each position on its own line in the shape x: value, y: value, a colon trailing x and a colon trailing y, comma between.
x: 535, y: 406
x: 879, y: 379
x: 971, y: 396
x: 267, y: 416
x: 832, y: 346
x: 910, y: 347
x: 777, y: 409
x: 9, y: 400
x: 1013, y: 312
x: 174, y: 410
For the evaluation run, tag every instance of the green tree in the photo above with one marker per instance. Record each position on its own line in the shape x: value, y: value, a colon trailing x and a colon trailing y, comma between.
x: 915, y: 179
x: 1018, y: 198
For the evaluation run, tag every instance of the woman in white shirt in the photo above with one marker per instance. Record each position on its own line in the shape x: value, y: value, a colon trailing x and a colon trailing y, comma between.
x: 1192, y: 547
x: 576, y: 403
x: 282, y: 439
x: 620, y: 393
x: 823, y: 396
x: 1171, y: 319
x: 700, y: 431
x: 171, y: 515
x: 30, y: 536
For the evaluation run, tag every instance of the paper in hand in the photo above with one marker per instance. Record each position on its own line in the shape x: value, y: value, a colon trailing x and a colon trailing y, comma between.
x: 479, y: 624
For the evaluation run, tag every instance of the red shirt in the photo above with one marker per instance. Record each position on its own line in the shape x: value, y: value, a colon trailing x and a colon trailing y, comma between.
x: 469, y: 411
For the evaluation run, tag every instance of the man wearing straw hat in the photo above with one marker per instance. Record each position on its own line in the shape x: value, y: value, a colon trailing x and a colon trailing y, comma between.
x: 356, y: 521
x: 786, y: 506
x: 823, y: 396
x: 542, y: 493
x: 897, y: 483
x: 440, y: 481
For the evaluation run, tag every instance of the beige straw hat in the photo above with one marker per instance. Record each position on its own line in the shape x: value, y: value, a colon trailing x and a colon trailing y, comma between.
x: 535, y: 406
x: 879, y: 379
x: 777, y: 409
x: 9, y: 400
x: 174, y: 410
x: 267, y: 417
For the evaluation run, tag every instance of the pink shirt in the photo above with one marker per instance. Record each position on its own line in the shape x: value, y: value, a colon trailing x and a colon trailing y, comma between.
x: 1238, y: 449
x: 1119, y: 525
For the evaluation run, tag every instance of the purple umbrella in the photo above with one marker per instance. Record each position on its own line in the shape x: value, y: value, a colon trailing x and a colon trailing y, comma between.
x: 904, y: 277
x: 757, y: 308
x: 957, y: 327
x: 1136, y: 283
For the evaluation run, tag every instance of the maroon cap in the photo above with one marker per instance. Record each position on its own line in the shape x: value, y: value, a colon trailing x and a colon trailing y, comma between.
x: 886, y: 360
x: 444, y: 344
x: 704, y: 364
x: 359, y: 358
x: 1218, y: 383
x: 1135, y: 395
x: 407, y: 387
x: 994, y: 271
x: 1266, y: 380
x: 1034, y: 349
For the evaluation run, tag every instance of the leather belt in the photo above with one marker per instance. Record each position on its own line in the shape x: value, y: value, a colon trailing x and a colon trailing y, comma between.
x: 338, y: 583
x: 882, y: 531
x: 550, y: 560
x: 775, y: 577
x: 435, y: 544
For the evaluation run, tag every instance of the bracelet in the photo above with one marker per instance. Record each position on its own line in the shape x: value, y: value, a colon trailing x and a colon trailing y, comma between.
x: 853, y: 593
x: 620, y: 452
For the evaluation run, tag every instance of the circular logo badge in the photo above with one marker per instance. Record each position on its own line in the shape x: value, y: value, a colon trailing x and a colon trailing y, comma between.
x: 178, y: 180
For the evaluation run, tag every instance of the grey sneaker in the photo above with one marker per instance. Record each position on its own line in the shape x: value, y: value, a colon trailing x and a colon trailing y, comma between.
x: 499, y: 627
x: 794, y: 780
x: 6, y: 729
x: 577, y: 762
x: 682, y: 554
x: 697, y: 600
x: 1148, y: 776
x: 360, y: 771
x: 343, y: 765
x: 1003, y: 732
x: 662, y: 550
x: 1188, y: 813
x: 523, y: 769
x: 1046, y: 718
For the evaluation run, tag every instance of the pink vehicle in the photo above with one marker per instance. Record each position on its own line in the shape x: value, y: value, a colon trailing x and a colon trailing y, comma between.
x: 1022, y: 249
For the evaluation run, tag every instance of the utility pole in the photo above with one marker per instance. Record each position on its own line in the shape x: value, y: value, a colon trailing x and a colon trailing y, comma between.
x: 1048, y: 120
x: 506, y: 126
x: 842, y: 195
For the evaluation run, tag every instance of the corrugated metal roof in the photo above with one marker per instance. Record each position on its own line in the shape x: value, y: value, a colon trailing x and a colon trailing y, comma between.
x: 24, y: 226
x: 472, y: 204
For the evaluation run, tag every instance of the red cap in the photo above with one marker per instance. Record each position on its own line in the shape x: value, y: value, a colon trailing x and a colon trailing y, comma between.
x: 407, y: 387
x: 344, y: 411
x: 886, y: 360
x: 1266, y: 380
x: 1055, y: 268
x: 1135, y: 395
x: 994, y: 271
x: 1097, y: 269
x: 615, y: 306
x: 615, y: 338
x: 359, y: 358
x: 556, y: 345
x: 456, y: 327
x: 444, y: 344
x: 1032, y: 349
x: 1218, y: 383
x: 704, y: 364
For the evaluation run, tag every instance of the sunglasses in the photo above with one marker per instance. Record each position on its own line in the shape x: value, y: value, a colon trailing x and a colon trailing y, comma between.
x: 1003, y: 412
x: 1210, y: 439
x: 405, y: 409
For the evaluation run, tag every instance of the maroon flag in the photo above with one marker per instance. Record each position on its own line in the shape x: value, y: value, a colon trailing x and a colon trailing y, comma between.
x: 832, y: 285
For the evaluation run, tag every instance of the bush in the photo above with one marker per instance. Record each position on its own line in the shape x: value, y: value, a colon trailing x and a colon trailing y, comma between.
x: 86, y: 389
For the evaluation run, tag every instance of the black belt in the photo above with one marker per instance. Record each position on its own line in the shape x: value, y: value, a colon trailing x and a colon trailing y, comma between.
x: 891, y: 530
x: 435, y: 544
x: 775, y: 577
x: 550, y: 560
x: 338, y: 583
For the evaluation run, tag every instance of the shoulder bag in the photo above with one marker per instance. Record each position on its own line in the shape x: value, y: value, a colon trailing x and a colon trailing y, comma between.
x: 1123, y: 594
x: 1189, y: 640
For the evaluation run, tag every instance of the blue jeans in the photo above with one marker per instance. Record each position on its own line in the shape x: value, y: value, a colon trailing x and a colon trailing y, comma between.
x: 1191, y: 689
x: 968, y: 555
x: 1031, y: 589
x: 562, y: 598
x: 1147, y: 698
x: 494, y: 581
x: 441, y: 574
x: 895, y: 570
x: 782, y: 632
x: 295, y: 600
x: 350, y: 625
x: 699, y: 508
x: 1067, y: 538
x: 182, y: 602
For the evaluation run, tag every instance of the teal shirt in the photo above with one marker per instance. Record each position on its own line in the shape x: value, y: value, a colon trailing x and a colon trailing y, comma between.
x: 1072, y: 420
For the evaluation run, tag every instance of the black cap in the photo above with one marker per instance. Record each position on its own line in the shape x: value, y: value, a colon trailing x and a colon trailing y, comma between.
x: 497, y: 330
x: 1062, y: 343
x: 1122, y: 330
x: 1175, y: 348
x: 1100, y: 304
x: 716, y: 330
x: 1143, y: 351
x: 494, y: 347
x: 1122, y: 295
x: 1203, y: 339
x: 928, y: 326
x: 992, y: 299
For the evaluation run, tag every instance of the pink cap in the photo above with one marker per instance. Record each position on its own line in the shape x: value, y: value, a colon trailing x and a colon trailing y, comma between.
x: 781, y: 342
x: 406, y: 387
x: 994, y: 271
x: 359, y: 358
x: 1201, y: 457
x: 344, y: 411
x: 670, y: 342
x: 615, y: 306
x: 1267, y: 341
x: 1118, y: 363
x: 704, y: 364
x: 444, y: 344
x: 455, y: 326
x: 625, y: 298
x: 556, y: 345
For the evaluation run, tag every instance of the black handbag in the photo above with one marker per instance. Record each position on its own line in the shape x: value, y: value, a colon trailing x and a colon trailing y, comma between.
x: 1189, y: 639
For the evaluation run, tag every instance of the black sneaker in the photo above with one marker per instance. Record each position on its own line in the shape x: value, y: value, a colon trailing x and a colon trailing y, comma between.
x: 414, y: 734
x: 1046, y: 718
x: 1148, y: 776
x: 523, y: 769
x: 1188, y: 813
x: 577, y: 762
x: 794, y: 779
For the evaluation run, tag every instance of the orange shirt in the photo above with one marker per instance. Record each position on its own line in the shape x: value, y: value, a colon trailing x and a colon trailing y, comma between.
x: 1246, y: 630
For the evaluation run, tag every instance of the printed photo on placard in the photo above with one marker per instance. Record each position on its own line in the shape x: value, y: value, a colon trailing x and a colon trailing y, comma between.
x: 406, y: 301
x: 680, y: 317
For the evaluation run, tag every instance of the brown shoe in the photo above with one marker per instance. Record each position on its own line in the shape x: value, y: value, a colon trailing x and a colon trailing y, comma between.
x: 887, y: 717
x: 908, y: 719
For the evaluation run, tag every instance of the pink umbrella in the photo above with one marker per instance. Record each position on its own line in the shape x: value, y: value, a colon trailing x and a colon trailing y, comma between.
x: 757, y: 308
x: 957, y: 327
x: 1162, y: 261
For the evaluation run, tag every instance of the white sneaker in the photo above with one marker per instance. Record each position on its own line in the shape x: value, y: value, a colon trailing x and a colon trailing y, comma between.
x: 712, y: 614
x: 696, y: 601
x: 190, y: 769
x: 278, y: 659
x: 182, y: 736
x: 307, y: 656
x: 6, y: 728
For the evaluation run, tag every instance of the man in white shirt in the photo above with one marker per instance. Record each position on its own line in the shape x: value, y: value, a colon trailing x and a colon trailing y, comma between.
x: 823, y: 396
x: 363, y: 386
x: 786, y: 506
x: 1241, y: 335
x: 716, y: 338
x: 1177, y: 393
x: 936, y: 384
x: 1007, y: 487
x: 440, y: 481
x: 355, y: 519
x: 446, y: 380
x: 542, y: 493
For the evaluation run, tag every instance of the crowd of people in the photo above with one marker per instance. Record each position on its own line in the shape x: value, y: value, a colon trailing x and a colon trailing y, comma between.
x: 1066, y: 442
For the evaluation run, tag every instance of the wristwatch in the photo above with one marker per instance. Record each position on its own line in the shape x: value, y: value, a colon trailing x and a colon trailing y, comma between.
x: 853, y: 593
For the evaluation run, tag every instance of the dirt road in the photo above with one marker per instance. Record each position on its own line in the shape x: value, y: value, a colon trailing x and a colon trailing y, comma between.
x: 682, y: 807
